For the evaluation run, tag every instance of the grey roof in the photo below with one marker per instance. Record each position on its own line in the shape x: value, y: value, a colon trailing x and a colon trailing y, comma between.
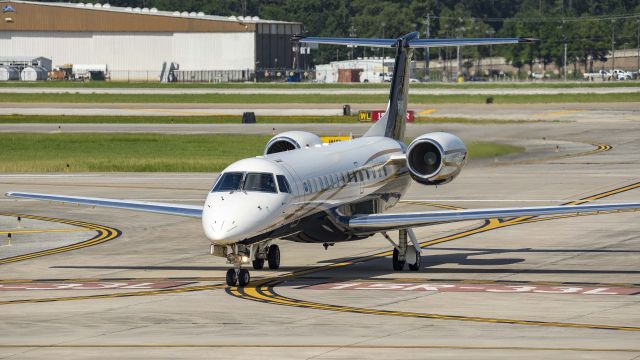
x: 155, y: 12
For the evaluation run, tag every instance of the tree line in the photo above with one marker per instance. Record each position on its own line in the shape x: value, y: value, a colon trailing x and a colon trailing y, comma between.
x: 589, y: 28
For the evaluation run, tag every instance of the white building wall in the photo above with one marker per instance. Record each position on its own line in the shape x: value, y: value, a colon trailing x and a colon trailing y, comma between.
x: 136, y: 55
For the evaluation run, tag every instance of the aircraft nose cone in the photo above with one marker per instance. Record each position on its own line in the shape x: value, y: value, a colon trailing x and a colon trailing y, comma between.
x: 229, y: 218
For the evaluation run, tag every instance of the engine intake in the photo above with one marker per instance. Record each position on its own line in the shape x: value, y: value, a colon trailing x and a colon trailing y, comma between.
x: 436, y: 158
x: 291, y: 140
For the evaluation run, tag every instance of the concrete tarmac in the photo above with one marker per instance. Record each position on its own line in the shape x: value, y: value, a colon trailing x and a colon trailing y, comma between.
x: 582, y: 112
x: 526, y: 288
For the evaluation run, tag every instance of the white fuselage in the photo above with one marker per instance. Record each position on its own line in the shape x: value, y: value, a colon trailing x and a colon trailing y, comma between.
x: 320, y: 178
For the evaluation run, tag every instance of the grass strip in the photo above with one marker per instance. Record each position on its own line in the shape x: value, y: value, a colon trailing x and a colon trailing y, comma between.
x: 41, y: 153
x: 213, y: 119
x: 311, y: 99
x: 433, y: 85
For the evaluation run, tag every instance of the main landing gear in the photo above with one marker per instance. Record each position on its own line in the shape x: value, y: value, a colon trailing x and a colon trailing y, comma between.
x: 404, y: 254
x: 259, y: 253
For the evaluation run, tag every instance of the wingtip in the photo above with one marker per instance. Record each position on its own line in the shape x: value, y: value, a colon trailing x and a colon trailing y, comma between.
x: 529, y: 39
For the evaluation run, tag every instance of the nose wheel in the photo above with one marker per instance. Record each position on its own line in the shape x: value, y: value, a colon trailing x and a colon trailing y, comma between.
x: 240, y: 277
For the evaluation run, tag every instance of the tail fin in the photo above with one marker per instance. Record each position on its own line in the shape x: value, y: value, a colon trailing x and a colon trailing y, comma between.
x: 393, y: 122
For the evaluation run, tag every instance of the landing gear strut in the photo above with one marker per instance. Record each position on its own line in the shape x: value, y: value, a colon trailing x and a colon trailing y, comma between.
x: 239, y: 255
x: 404, y: 254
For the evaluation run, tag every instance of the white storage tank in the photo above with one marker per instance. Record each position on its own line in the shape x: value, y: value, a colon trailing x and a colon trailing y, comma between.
x: 34, y: 73
x: 8, y: 73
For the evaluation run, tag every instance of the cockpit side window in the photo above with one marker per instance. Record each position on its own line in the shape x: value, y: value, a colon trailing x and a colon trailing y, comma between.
x: 283, y: 184
x: 261, y: 182
x: 230, y: 181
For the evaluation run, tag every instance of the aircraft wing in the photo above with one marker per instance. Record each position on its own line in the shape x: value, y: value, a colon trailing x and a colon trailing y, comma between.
x: 153, y: 207
x: 390, y: 221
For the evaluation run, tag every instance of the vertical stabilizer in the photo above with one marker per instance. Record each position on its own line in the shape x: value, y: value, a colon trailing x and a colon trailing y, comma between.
x: 393, y: 122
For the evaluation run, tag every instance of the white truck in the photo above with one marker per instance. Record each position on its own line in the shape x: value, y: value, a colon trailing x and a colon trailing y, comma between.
x: 606, y: 75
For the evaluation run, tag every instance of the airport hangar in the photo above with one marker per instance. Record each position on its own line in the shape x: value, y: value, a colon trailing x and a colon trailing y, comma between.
x: 135, y: 42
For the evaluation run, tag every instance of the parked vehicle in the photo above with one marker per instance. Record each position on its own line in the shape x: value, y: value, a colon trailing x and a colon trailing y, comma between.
x: 601, y: 75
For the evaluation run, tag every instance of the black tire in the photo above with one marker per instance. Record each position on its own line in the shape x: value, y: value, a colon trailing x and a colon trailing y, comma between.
x: 232, y: 277
x: 243, y: 277
x: 397, y: 264
x: 273, y: 256
x: 416, y: 266
x: 258, y: 264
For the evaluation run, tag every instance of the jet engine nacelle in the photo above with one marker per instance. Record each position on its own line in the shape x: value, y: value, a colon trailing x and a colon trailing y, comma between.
x: 436, y: 158
x: 291, y: 140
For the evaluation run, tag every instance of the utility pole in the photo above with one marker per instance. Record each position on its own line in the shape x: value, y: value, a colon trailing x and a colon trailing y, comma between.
x: 427, y: 34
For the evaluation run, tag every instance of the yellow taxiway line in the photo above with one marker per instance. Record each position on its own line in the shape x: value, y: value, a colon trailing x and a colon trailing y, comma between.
x: 40, y: 231
x: 263, y: 291
x: 104, y: 234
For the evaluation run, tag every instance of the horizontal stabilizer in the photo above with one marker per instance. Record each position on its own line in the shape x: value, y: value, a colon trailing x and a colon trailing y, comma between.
x: 414, y: 43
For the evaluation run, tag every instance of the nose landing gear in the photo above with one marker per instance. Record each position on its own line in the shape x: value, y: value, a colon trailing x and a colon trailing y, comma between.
x: 239, y: 277
x: 238, y: 255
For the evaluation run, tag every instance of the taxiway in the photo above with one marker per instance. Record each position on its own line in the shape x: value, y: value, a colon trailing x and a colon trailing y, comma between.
x: 135, y: 285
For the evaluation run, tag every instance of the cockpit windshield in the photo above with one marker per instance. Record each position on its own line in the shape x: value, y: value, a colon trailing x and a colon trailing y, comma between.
x: 259, y: 182
x: 230, y: 181
x: 234, y: 181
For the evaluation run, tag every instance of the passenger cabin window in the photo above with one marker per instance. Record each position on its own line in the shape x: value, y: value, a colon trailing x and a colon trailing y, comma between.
x: 230, y: 181
x: 283, y: 184
x: 259, y: 182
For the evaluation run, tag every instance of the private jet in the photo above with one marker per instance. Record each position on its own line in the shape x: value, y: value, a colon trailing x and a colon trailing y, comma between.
x: 306, y: 191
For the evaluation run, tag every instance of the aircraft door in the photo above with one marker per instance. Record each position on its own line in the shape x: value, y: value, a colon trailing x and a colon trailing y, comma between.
x: 297, y: 192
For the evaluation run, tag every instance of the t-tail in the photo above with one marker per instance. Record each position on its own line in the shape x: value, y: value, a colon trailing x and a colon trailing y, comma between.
x: 393, y: 123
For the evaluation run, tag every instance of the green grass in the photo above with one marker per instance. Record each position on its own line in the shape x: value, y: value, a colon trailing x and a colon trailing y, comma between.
x: 311, y: 98
x: 214, y: 119
x: 229, y: 119
x: 434, y: 85
x: 27, y: 153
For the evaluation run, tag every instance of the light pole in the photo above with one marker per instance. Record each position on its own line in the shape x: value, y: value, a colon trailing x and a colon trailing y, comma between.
x: 459, y: 33
x: 427, y: 34
x: 352, y: 33
x: 564, y: 37
x: 613, y: 44
x: 638, y: 43
x: 491, y: 32
x: 384, y: 26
